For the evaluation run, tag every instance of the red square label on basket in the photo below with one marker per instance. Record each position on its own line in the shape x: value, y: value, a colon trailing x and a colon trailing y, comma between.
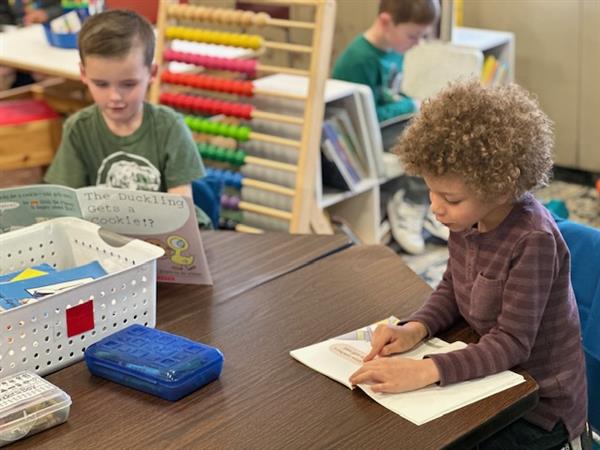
x: 80, y: 318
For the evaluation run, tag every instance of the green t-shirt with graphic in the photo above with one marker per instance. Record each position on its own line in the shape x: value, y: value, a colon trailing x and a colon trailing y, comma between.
x: 159, y: 155
x: 362, y: 62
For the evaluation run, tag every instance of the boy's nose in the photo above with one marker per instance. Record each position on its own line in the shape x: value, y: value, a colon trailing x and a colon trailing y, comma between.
x: 436, y: 207
x: 114, y: 94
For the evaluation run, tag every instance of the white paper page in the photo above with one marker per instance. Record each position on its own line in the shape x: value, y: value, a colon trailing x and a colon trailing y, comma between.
x: 335, y: 358
x: 340, y: 357
x: 432, y: 402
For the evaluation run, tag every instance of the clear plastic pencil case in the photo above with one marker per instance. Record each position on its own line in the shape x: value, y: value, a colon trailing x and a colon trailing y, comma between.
x: 29, y: 404
x: 154, y: 361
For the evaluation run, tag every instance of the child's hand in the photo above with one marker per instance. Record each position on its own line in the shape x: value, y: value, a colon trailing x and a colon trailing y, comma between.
x: 396, y: 374
x: 388, y: 339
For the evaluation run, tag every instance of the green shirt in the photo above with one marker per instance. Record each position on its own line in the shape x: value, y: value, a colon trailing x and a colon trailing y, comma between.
x: 159, y: 155
x: 362, y: 62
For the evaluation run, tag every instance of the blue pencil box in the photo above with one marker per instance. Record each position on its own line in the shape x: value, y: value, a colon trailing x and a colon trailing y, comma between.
x: 154, y: 361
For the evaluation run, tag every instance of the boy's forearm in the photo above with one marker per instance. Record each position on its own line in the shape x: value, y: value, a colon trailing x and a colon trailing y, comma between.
x: 184, y: 190
x: 389, y: 110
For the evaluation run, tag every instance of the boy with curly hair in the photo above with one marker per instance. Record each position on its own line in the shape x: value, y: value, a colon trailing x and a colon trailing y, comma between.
x: 122, y: 141
x: 481, y: 150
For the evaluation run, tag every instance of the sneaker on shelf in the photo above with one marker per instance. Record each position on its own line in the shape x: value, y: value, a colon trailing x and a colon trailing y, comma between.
x: 435, y: 227
x: 406, y: 220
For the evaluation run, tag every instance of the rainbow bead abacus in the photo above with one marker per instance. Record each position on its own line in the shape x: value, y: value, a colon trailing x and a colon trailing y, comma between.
x: 217, y: 96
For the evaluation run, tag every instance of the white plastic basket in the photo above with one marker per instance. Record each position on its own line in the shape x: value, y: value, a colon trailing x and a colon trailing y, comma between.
x: 34, y: 336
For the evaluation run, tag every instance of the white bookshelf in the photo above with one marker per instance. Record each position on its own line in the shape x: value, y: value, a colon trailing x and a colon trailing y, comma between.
x: 501, y: 44
x: 358, y: 208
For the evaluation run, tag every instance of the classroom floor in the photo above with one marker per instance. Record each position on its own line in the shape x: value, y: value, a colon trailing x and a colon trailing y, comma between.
x: 582, y: 202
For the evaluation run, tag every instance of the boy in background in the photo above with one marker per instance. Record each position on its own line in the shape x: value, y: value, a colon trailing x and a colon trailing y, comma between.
x: 122, y: 141
x: 375, y: 58
x: 481, y: 150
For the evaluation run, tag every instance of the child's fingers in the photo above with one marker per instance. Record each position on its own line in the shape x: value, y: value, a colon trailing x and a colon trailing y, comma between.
x: 383, y: 387
x: 362, y: 375
x: 391, y: 348
x: 378, y: 341
x: 372, y: 354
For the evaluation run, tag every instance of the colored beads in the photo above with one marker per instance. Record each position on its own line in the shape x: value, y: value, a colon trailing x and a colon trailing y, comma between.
x: 245, y: 66
x: 218, y: 15
x: 215, y: 153
x: 200, y: 125
x: 230, y: 202
x: 251, y: 41
x: 209, y: 83
x: 227, y: 177
x: 207, y: 105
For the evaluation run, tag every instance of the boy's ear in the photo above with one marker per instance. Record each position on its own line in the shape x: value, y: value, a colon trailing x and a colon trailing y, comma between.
x: 82, y: 74
x: 504, y: 198
x: 386, y: 20
x: 153, y: 71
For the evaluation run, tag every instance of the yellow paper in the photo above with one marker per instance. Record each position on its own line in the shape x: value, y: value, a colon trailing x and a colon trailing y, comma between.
x: 29, y: 273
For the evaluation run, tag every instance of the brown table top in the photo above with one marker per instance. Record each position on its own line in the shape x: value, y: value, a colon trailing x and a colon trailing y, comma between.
x: 239, y: 262
x: 264, y: 398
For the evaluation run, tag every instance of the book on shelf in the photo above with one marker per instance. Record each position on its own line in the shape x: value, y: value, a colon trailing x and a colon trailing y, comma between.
x: 490, y: 66
x: 340, y: 357
x: 349, y: 150
x: 334, y: 172
x: 500, y: 75
x: 340, y: 118
x: 349, y: 163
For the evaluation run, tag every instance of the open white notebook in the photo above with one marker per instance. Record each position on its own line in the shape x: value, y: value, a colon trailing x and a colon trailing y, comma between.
x: 338, y: 358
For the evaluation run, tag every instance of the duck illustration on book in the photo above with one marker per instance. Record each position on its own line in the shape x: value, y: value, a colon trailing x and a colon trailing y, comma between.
x: 179, y: 245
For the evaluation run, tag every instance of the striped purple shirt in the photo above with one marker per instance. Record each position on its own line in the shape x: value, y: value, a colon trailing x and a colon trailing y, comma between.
x: 512, y: 286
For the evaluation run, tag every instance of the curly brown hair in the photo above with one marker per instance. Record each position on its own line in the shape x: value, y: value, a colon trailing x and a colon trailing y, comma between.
x: 496, y: 139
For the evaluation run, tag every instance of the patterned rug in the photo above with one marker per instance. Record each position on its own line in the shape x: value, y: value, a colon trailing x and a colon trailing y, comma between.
x: 581, y: 202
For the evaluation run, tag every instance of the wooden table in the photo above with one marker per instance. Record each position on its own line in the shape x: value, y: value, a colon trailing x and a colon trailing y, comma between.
x: 264, y: 398
x: 239, y: 262
x: 28, y: 49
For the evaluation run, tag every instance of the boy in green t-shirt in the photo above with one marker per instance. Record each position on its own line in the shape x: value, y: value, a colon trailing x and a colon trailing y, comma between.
x: 122, y: 141
x: 375, y: 58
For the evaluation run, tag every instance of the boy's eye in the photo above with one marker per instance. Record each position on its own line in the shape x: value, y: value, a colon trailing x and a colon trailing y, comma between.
x: 100, y: 83
x: 453, y: 202
x: 130, y: 84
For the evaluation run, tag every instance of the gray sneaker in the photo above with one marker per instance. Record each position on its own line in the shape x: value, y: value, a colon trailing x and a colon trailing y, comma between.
x: 406, y: 220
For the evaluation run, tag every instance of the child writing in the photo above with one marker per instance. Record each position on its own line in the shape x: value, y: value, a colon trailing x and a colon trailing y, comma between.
x: 121, y: 141
x: 481, y: 150
x: 375, y: 58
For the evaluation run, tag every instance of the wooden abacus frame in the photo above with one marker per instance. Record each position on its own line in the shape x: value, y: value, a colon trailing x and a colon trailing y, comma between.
x: 304, y: 214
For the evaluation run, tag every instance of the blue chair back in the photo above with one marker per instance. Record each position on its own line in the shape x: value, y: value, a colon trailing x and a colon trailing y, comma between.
x: 584, y: 245
x: 207, y: 196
